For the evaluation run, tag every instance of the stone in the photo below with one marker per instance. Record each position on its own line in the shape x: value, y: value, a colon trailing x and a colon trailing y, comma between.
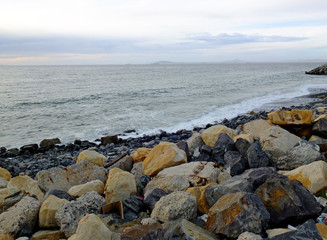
x: 277, y: 231
x: 287, y: 200
x: 210, y: 135
x: 236, y: 213
x: 176, y: 205
x: 91, y: 227
x: 126, y: 164
x: 256, y: 127
x: 152, y: 196
x: 72, y: 212
x: 31, y: 148
x: 20, y: 219
x: 93, y: 157
x: 295, y: 117
x: 276, y: 141
x: 132, y: 206
x: 302, y: 153
x: 313, y: 176
x: 322, y: 228
x: 59, y: 194
x: 242, y: 145
x: 183, y: 146
x: 256, y: 157
x: 320, y: 127
x: 257, y: 176
x: 169, y: 184
x: 141, y: 183
x: 48, y: 211
x: 109, y: 139
x: 140, y: 154
x: 197, y: 173
x: 223, y: 144
x: 4, y: 173
x: 199, y: 193
x: 235, y: 184
x: 321, y: 70
x: 79, y: 190
x: 49, y: 143
x: 150, y: 232
x: 223, y: 177
x: 3, y: 183
x: 248, y: 137
x: 48, y: 234
x: 138, y: 170
x: 249, y: 236
x: 120, y: 185
x: 317, y: 140
x: 194, y: 142
x: 13, y: 196
x: 235, y: 163
x: 147, y: 221
x: 64, y: 179
x: 6, y: 192
x: 28, y: 185
x: 162, y: 156
x: 6, y: 237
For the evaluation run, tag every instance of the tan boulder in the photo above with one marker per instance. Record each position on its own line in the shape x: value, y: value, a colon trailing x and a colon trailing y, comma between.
x: 140, y: 154
x: 48, y: 235
x: 162, y: 156
x: 249, y: 137
x: 6, y: 192
x: 91, y: 227
x: 3, y: 183
x: 210, y: 135
x: 79, y: 190
x: 293, y: 117
x: 6, y: 237
x: 93, y: 157
x: 322, y: 228
x: 120, y: 185
x: 168, y: 184
x: 256, y: 127
x: 313, y: 176
x: 28, y: 185
x: 48, y: 211
x: 4, y: 173
x: 198, y: 192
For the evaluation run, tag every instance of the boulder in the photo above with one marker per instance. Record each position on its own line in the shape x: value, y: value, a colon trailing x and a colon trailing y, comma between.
x: 49, y: 143
x: 79, y: 190
x: 6, y: 192
x: 301, y: 154
x: 248, y: 137
x: 257, y: 176
x: 91, y: 227
x: 236, y: 213
x: 141, y: 183
x: 322, y: 228
x: 9, y: 198
x: 168, y: 184
x: 242, y: 145
x: 210, y: 135
x: 4, y: 173
x: 138, y: 170
x: 20, y: 219
x: 48, y: 211
x: 194, y: 142
x: 277, y: 231
x: 256, y: 157
x: 320, y: 127
x: 64, y: 179
x: 120, y: 185
x: 126, y: 164
x: 149, y: 232
x: 28, y: 185
x: 199, y: 193
x: 321, y: 70
x: 48, y: 234
x: 276, y: 141
x: 183, y: 146
x: 223, y: 144
x: 93, y: 157
x: 152, y: 196
x: 256, y: 127
x: 109, y: 139
x: 72, y: 212
x: 287, y: 200
x: 132, y: 206
x: 295, y: 117
x: 6, y: 237
x: 197, y: 173
x: 313, y: 176
x: 30, y: 148
x: 3, y: 183
x: 140, y: 154
x: 162, y: 156
x: 59, y: 194
x: 177, y: 205
x: 235, y: 163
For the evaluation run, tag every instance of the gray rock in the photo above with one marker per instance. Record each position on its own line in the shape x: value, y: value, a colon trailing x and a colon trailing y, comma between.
x: 152, y: 196
x: 321, y: 70
x: 31, y: 148
x: 301, y: 154
x: 20, y: 219
x: 3, y: 183
x: 235, y: 163
x: 257, y: 176
x: 132, y: 206
x: 256, y: 157
x: 224, y: 144
x: 183, y: 145
x: 138, y: 170
x: 59, y: 194
x: 76, y: 174
x: 72, y: 212
x: 126, y: 164
x: 141, y: 183
x: 144, y: 232
x: 11, y: 200
x: 195, y: 141
x: 242, y: 145
x: 169, y: 184
x: 48, y: 143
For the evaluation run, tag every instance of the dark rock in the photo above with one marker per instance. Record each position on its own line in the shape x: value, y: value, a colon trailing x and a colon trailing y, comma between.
x: 288, y: 201
x: 59, y: 194
x: 152, y: 197
x: 132, y: 206
x: 206, y: 149
x: 203, y: 158
x: 109, y: 139
x: 13, y: 152
x: 31, y: 148
x: 87, y: 144
x: 144, y: 232
x: 235, y: 163
x: 257, y: 176
x: 49, y: 143
x: 2, y: 150
x: 125, y: 163
x: 322, y: 70
x: 183, y: 146
x: 256, y: 157
x: 242, y: 145
x: 320, y: 127
x: 78, y: 142
x: 224, y: 144
x: 141, y: 183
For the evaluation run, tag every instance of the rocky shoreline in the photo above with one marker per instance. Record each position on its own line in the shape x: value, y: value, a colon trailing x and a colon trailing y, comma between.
x: 242, y: 178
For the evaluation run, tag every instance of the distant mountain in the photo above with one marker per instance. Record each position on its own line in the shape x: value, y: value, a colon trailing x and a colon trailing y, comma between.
x: 163, y: 62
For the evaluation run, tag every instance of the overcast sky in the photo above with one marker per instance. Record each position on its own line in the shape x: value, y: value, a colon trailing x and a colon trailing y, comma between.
x: 145, y: 31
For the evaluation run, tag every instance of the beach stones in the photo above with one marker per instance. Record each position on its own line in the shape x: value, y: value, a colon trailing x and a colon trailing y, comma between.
x: 79, y: 190
x: 162, y: 156
x: 48, y: 211
x: 210, y: 135
x: 92, y: 156
x: 295, y: 117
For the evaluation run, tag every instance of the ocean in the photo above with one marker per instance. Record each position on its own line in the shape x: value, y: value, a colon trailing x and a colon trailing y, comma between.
x: 88, y: 102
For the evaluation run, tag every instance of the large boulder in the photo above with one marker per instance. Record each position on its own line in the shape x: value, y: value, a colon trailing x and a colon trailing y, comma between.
x: 140, y: 154
x: 177, y: 205
x: 295, y: 117
x: 48, y: 211
x: 257, y: 176
x: 256, y: 127
x: 162, y: 156
x: 168, y: 184
x: 313, y: 176
x: 194, y: 142
x: 223, y: 144
x: 320, y: 127
x: 93, y: 157
x: 152, y: 196
x: 197, y: 173
x: 72, y: 212
x: 256, y: 157
x: 49, y: 142
x: 236, y: 213
x: 4, y: 173
x: 79, y: 190
x: 287, y: 200
x: 301, y: 154
x: 235, y: 163
x: 64, y: 179
x: 210, y: 135
x: 120, y: 185
x: 321, y: 70
x: 20, y: 219
x: 28, y: 185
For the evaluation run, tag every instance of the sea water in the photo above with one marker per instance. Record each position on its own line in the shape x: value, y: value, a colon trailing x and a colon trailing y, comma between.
x: 87, y: 102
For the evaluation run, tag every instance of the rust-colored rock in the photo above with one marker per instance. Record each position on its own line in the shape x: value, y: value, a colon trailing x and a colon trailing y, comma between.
x: 140, y: 154
x: 210, y: 135
x: 293, y: 117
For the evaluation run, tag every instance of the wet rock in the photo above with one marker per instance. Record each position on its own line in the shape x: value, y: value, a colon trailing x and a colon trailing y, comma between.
x: 223, y: 144
x: 169, y: 184
x: 177, y: 205
x: 256, y: 157
x: 210, y: 135
x: 28, y: 185
x: 79, y: 190
x: 30, y: 148
x: 235, y: 163
x: 152, y: 196
x: 13, y: 152
x: 236, y: 213
x: 147, y: 232
x: 295, y: 117
x: 49, y: 143
x: 72, y: 212
x: 109, y: 139
x: 48, y: 234
x: 93, y: 157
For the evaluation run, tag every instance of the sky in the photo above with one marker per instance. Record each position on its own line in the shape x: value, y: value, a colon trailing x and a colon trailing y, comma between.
x: 147, y: 31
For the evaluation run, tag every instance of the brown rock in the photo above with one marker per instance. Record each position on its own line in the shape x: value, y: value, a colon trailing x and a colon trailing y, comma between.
x: 48, y: 143
x: 4, y: 173
x: 293, y: 117
x: 93, y: 157
x: 140, y: 154
x: 210, y: 135
x: 322, y: 228
x: 6, y: 237
x: 109, y: 139
x: 150, y: 231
